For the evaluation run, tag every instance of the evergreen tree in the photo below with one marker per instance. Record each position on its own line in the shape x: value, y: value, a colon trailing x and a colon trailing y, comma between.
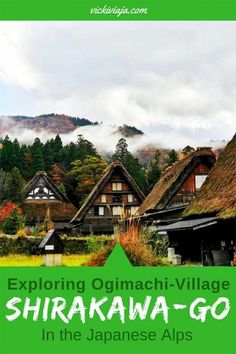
x: 172, y: 157
x: 57, y: 149
x: 38, y: 161
x: 14, y: 186
x: 87, y: 173
x: 187, y: 150
x: 131, y: 164
x: 48, y: 156
x: 154, y: 170
x: 14, y: 222
x: 3, y: 179
x: 85, y: 148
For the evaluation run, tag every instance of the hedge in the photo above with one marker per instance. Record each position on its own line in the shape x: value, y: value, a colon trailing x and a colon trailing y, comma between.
x: 30, y: 245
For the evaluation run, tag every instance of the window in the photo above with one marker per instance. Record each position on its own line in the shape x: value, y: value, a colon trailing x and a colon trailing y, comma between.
x: 117, y: 186
x: 103, y: 198
x: 117, y: 198
x: 116, y: 211
x: 99, y: 211
x: 199, y: 180
x: 130, y: 198
x: 133, y: 210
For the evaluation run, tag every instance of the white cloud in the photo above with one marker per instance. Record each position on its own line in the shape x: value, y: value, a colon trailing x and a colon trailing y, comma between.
x: 167, y: 78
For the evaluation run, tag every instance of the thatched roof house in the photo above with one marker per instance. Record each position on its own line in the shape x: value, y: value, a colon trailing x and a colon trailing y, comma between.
x: 42, y: 197
x: 116, y: 194
x: 180, y: 182
x: 218, y: 195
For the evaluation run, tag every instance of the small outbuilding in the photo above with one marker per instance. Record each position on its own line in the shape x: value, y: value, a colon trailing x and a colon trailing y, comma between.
x: 52, y: 248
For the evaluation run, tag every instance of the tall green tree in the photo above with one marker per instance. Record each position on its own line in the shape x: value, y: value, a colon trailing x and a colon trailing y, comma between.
x: 131, y: 163
x: 172, y: 157
x: 38, y: 161
x: 85, y: 148
x: 187, y: 150
x: 154, y: 170
x: 14, y: 222
x: 14, y: 186
x: 87, y: 173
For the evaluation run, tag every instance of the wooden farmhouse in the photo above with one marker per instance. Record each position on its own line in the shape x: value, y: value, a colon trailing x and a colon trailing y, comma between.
x: 178, y: 186
x: 115, y: 196
x: 207, y: 231
x: 44, y: 199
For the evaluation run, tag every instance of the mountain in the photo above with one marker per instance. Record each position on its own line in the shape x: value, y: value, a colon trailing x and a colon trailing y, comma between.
x: 51, y: 123
x: 57, y: 124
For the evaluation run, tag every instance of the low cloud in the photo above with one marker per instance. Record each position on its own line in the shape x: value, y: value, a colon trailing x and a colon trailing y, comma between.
x: 174, y: 80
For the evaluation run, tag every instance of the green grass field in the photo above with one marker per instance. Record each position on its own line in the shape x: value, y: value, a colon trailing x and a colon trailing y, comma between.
x: 16, y: 260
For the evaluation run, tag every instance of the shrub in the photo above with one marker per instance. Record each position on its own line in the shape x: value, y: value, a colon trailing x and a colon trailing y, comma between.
x: 136, y: 247
x: 86, y: 245
x: 21, y: 233
x: 19, y: 245
x: 134, y: 244
x: 13, y: 222
x: 94, y: 244
x: 100, y: 257
x: 6, y: 210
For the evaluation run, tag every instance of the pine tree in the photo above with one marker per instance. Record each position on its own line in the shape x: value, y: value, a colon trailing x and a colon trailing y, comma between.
x: 47, y: 156
x: 14, y: 222
x: 38, y: 161
x: 154, y: 170
x: 187, y: 150
x: 172, y: 157
x: 131, y: 164
x: 85, y: 148
x: 14, y: 186
x: 57, y: 149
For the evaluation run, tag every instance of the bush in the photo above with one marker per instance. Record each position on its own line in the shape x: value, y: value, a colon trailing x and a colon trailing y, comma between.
x: 13, y: 222
x: 21, y: 233
x: 19, y: 245
x: 99, y: 258
x: 137, y: 248
x: 85, y: 244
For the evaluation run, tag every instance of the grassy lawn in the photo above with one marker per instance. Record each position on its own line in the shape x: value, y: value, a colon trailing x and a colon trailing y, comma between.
x: 16, y: 260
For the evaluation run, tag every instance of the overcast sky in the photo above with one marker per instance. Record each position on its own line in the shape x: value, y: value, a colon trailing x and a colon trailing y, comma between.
x: 174, y: 80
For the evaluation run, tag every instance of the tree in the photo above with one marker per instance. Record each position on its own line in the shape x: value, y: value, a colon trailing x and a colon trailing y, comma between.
x: 154, y: 170
x: 187, y: 150
x: 48, y: 156
x: 172, y: 157
x: 3, y: 179
x: 38, y: 161
x: 14, y: 222
x: 56, y: 174
x: 85, y: 148
x: 14, y: 186
x: 131, y: 164
x: 57, y: 149
x: 87, y: 173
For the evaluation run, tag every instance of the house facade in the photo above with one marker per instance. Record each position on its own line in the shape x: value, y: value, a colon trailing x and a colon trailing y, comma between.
x: 207, y: 230
x: 44, y: 199
x: 178, y: 186
x: 115, y: 196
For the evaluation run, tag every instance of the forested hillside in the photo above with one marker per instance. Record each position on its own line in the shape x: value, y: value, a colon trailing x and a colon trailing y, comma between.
x: 74, y: 167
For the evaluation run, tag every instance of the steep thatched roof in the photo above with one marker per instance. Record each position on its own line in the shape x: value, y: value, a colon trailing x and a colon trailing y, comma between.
x: 218, y: 194
x: 172, y: 179
x: 36, y: 210
x: 59, y: 208
x: 101, y: 184
x: 48, y: 182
